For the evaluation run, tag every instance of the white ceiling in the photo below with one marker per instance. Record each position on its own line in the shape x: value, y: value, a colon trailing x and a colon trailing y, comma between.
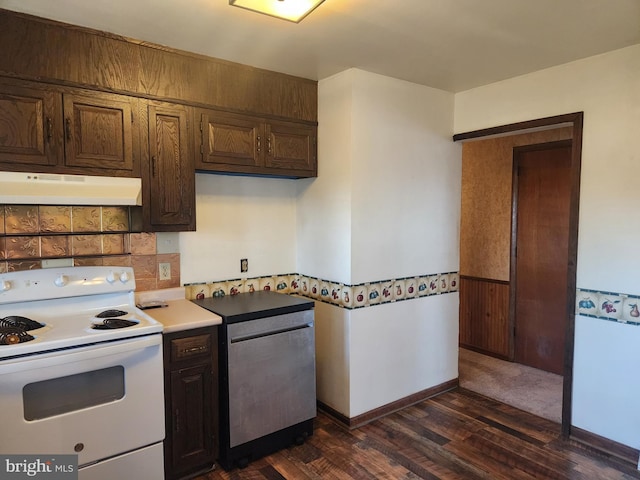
x: 452, y: 45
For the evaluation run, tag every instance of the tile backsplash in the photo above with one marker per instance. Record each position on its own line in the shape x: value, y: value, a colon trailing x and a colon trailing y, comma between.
x: 33, y: 236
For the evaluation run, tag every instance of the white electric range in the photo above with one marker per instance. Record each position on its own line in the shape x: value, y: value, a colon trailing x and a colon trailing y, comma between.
x: 81, y: 371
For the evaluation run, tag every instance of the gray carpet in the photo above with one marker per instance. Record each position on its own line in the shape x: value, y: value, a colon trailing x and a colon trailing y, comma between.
x: 526, y: 388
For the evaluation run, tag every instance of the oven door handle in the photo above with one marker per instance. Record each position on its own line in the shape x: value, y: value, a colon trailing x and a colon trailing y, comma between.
x: 80, y: 354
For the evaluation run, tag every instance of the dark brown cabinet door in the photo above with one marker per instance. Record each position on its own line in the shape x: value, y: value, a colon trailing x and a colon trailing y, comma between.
x: 98, y: 131
x: 191, y: 401
x: 291, y: 146
x: 228, y: 141
x: 30, y: 127
x: 237, y: 143
x: 172, y: 174
x: 191, y: 416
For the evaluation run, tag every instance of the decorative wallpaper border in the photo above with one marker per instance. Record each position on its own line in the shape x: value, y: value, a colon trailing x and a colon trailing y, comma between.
x: 361, y: 295
x: 615, y: 307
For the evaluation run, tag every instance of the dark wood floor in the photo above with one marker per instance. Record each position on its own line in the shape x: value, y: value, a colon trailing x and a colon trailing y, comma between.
x: 456, y: 435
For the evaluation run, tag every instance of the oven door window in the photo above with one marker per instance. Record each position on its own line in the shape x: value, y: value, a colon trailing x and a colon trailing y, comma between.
x: 56, y: 396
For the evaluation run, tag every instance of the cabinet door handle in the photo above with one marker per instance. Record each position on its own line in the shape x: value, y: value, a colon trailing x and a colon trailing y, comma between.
x: 259, y: 144
x: 199, y: 348
x: 269, y: 145
x: 153, y: 165
x: 176, y: 416
x: 49, y: 130
x: 67, y: 124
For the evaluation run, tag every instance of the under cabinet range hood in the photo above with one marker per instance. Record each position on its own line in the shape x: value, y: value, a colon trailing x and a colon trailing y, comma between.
x: 55, y: 189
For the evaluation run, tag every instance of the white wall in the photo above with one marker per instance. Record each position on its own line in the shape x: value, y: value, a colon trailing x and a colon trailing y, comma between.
x: 398, y: 349
x: 406, y: 180
x: 240, y: 217
x: 385, y: 205
x: 324, y: 236
x: 607, y: 89
x: 333, y: 334
x: 324, y: 205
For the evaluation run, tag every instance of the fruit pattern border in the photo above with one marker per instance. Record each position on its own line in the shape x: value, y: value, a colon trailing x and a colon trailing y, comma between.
x: 615, y: 307
x: 343, y: 295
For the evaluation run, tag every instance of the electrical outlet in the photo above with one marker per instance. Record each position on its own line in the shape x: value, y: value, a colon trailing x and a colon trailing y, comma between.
x: 165, y: 271
x: 244, y: 265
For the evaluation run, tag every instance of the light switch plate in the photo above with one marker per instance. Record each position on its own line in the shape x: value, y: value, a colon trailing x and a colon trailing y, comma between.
x: 57, y: 262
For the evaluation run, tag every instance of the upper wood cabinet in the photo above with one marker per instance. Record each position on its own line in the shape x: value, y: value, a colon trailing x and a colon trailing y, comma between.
x: 61, y: 114
x: 28, y: 134
x: 170, y: 198
x: 235, y: 143
x: 99, y: 131
x: 36, y: 48
x: 291, y: 146
x: 228, y: 139
x: 66, y: 131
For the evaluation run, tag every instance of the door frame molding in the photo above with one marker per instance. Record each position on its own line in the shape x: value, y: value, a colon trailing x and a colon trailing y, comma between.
x: 574, y: 120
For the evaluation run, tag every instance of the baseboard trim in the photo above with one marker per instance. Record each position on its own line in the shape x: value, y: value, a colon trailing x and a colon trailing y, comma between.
x: 485, y: 352
x: 606, y: 446
x: 364, y: 418
x: 333, y: 413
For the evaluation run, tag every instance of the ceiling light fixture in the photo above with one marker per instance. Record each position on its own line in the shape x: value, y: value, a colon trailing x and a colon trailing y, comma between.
x: 291, y: 10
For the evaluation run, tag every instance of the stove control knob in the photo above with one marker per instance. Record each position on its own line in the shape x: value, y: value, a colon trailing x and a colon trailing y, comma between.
x: 124, y: 277
x: 5, y: 285
x: 111, y: 277
x: 61, y: 280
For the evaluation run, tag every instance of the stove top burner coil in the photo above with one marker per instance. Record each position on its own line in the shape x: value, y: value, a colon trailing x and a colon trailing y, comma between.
x: 111, y: 314
x: 22, y: 323
x: 113, y: 323
x: 13, y: 335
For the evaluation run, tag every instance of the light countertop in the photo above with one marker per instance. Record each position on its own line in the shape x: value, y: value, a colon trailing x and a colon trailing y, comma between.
x: 179, y: 314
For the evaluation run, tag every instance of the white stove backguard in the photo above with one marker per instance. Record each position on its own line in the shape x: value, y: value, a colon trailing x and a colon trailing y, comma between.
x: 66, y: 282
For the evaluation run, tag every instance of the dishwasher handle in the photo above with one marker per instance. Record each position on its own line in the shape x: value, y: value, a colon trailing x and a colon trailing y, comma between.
x: 269, y: 333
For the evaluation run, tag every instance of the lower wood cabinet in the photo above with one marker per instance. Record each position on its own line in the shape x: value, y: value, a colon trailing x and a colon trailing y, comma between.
x: 191, y: 402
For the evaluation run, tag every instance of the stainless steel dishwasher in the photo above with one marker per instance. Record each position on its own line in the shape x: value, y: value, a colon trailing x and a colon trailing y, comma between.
x: 267, y: 373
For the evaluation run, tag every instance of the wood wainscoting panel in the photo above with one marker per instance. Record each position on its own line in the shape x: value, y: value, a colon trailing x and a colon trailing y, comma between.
x: 484, y: 316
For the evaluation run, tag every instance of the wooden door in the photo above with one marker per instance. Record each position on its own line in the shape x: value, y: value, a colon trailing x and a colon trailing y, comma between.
x: 172, y: 176
x: 229, y: 141
x: 30, y: 127
x: 292, y: 147
x: 99, y: 132
x: 542, y: 251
